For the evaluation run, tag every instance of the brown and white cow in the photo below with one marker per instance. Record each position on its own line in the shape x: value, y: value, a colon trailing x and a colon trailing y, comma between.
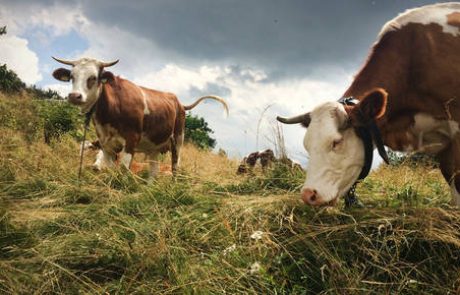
x: 409, y: 88
x: 266, y: 158
x: 128, y: 118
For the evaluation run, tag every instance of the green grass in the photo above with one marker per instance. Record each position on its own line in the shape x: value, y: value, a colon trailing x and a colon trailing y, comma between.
x: 115, y: 232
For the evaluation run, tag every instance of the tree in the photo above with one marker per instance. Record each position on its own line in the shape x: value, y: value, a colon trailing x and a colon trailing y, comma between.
x: 198, y: 132
x: 9, y: 81
x: 3, y: 30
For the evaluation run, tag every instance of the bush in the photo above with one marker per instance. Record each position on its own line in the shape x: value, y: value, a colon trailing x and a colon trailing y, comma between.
x: 59, y: 118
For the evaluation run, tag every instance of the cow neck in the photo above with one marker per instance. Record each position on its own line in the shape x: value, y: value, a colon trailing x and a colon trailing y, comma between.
x: 370, y: 135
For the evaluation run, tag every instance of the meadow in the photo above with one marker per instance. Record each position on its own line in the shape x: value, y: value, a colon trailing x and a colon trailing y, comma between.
x: 210, y: 231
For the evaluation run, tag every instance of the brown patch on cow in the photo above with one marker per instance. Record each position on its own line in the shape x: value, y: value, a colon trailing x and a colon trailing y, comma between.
x: 453, y: 19
x: 417, y: 66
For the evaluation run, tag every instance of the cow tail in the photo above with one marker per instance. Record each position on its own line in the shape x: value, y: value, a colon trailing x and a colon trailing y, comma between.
x: 216, y: 98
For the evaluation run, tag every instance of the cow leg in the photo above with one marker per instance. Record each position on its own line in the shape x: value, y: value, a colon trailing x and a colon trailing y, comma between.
x: 104, y: 159
x: 449, y: 160
x: 126, y: 158
x: 154, y: 164
x: 127, y: 154
x: 174, y: 156
x: 175, y: 150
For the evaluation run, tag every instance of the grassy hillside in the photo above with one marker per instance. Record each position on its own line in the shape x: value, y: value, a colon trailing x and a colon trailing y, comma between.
x: 210, y: 231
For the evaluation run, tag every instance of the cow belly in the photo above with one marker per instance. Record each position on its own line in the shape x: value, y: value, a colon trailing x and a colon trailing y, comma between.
x: 109, y: 138
x: 147, y: 146
x: 433, y: 135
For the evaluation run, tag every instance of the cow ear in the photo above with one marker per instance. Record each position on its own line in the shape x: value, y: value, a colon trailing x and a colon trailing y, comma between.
x: 371, y: 107
x: 62, y: 74
x: 106, y: 76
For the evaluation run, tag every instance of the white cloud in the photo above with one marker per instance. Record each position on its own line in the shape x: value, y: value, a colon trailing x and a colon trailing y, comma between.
x: 250, y: 94
x: 60, y: 18
x: 16, y: 53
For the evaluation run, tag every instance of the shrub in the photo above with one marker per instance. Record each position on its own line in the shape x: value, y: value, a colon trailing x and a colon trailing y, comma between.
x: 59, y: 118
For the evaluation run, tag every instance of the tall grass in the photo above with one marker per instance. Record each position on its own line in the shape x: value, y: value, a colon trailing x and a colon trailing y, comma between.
x: 210, y: 231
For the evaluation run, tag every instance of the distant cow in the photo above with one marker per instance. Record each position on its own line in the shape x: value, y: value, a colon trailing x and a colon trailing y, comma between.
x: 265, y: 157
x: 406, y: 96
x: 128, y: 118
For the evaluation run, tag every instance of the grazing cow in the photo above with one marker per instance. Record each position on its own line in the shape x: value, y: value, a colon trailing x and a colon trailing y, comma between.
x: 266, y: 158
x: 248, y: 163
x: 128, y: 118
x: 406, y: 96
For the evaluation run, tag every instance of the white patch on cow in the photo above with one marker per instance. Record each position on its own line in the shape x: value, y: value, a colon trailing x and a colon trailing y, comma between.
x: 433, y: 135
x: 86, y: 145
x: 331, y: 171
x: 455, y: 194
x: 146, y: 107
x: 436, y: 13
x: 103, y: 160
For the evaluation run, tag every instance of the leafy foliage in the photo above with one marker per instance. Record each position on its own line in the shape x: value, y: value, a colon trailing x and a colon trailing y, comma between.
x: 9, y: 81
x: 198, y: 132
x: 59, y: 118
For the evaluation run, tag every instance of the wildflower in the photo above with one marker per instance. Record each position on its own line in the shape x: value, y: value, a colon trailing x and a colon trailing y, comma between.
x: 229, y: 249
x: 257, y: 235
x: 255, y: 268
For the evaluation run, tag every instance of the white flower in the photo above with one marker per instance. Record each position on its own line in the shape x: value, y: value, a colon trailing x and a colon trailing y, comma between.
x: 255, y: 268
x: 230, y: 249
x: 257, y: 235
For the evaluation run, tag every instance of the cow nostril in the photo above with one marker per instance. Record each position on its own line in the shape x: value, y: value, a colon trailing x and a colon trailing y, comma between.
x: 313, y: 196
x: 75, y: 96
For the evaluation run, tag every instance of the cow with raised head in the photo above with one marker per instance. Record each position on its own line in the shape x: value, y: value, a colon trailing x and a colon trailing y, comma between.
x: 128, y: 118
x: 406, y: 96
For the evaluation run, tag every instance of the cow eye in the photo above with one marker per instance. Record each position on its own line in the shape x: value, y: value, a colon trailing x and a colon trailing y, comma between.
x: 337, y: 142
x: 91, y: 81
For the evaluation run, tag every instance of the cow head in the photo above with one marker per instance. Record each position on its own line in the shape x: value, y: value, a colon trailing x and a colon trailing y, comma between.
x: 335, y: 149
x: 87, y: 76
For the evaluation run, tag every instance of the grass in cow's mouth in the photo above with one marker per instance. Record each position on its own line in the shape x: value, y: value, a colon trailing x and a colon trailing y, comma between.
x: 210, y: 231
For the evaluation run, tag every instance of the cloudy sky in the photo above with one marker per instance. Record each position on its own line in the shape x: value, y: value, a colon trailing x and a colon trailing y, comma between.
x: 265, y: 57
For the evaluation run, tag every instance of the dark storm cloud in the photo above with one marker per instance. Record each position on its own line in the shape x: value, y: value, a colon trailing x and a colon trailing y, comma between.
x: 279, y: 36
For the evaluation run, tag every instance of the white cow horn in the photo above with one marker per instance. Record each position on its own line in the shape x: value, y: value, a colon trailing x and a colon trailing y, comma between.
x: 304, y: 119
x: 66, y: 62
x: 108, y: 64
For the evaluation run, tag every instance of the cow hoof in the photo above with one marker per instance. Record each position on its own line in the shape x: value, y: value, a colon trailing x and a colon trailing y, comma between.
x: 96, y: 168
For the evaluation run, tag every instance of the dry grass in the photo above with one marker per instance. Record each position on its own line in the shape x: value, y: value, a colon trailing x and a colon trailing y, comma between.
x: 209, y: 231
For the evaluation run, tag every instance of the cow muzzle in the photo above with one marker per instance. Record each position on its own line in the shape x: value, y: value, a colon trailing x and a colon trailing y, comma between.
x: 75, y: 98
x: 312, y: 198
